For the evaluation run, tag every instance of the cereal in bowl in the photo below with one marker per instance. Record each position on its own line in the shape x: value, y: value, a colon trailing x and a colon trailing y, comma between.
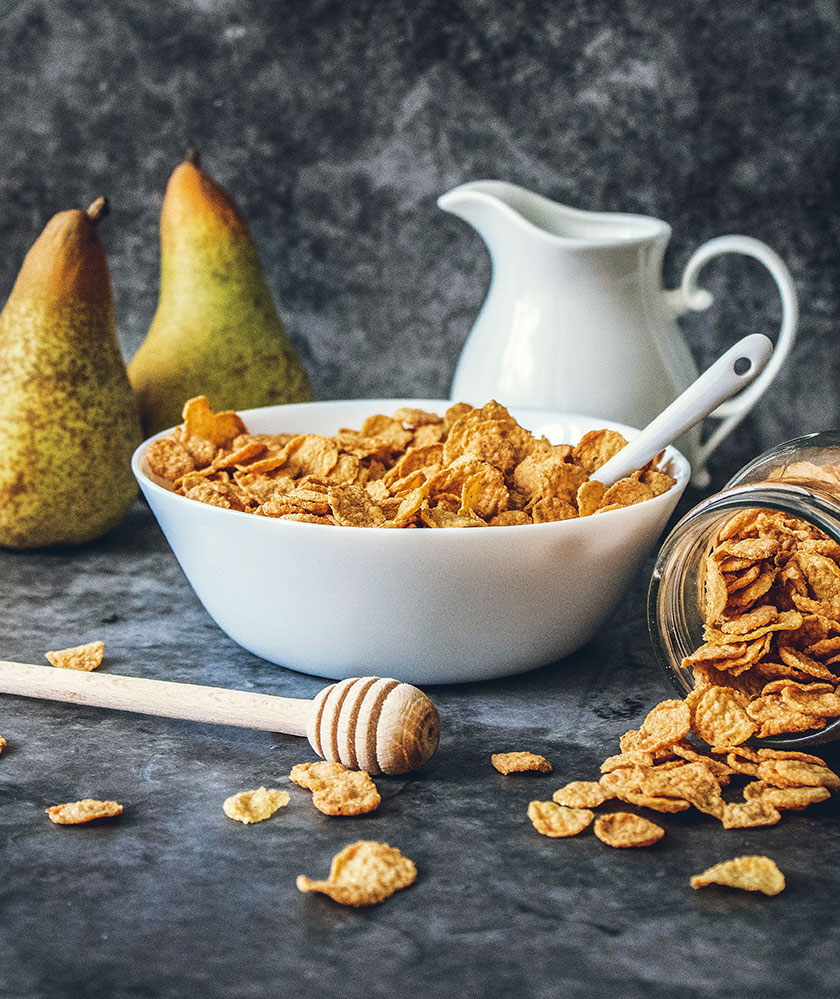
x: 471, y: 467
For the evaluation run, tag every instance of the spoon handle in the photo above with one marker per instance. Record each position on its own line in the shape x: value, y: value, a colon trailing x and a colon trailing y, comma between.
x: 730, y: 373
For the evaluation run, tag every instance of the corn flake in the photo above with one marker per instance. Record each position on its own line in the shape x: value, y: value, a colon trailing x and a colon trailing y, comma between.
x: 517, y: 762
x: 581, y: 794
x: 551, y: 819
x: 218, y: 428
x: 81, y: 657
x: 786, y: 798
x: 720, y: 720
x: 364, y: 873
x: 749, y: 873
x: 354, y: 793
x: 314, y: 776
x: 74, y: 813
x: 666, y: 724
x: 337, y: 790
x: 254, y: 806
x: 624, y: 829
x: 749, y: 814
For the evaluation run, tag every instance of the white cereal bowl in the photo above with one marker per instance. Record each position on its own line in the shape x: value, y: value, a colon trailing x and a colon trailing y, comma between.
x: 424, y: 606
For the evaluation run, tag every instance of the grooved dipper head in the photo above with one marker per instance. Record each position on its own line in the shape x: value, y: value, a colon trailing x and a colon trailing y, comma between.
x: 373, y: 724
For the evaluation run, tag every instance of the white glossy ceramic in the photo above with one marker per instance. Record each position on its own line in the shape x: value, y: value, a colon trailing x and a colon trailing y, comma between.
x: 576, y: 320
x: 424, y: 606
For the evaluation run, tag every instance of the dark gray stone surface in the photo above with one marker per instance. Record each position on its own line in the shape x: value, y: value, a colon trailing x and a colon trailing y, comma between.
x: 336, y: 125
x: 173, y: 899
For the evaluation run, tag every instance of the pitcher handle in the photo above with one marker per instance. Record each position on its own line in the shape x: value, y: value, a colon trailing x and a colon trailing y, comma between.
x: 731, y: 412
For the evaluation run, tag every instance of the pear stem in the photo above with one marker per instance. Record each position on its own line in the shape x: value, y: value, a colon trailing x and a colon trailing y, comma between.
x: 98, y: 210
x: 193, y: 156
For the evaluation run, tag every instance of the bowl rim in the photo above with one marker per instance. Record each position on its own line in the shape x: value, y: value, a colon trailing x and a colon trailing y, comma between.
x: 677, y: 463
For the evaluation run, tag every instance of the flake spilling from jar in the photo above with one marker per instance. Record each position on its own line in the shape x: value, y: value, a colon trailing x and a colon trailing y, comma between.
x: 770, y: 664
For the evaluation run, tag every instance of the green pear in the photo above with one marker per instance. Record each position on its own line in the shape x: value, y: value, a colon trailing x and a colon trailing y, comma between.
x: 216, y: 331
x: 68, y: 418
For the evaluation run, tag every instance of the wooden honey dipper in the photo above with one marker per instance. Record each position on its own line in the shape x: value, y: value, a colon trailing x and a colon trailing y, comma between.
x: 366, y: 723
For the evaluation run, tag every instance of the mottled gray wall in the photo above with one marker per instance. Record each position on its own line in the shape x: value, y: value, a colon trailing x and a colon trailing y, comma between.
x: 336, y: 124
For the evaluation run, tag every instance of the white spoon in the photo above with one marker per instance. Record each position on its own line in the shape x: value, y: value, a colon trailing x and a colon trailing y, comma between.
x: 730, y: 373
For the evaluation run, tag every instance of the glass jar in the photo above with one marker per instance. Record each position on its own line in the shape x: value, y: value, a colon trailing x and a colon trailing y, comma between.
x: 780, y: 479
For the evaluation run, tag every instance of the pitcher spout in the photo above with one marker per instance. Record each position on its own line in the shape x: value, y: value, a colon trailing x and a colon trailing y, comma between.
x: 490, y: 205
x: 480, y: 197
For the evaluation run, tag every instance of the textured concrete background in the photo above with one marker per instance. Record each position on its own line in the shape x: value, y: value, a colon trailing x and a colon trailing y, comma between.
x: 336, y: 125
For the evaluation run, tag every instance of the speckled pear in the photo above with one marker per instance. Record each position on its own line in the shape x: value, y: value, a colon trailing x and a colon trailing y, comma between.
x: 68, y: 418
x: 216, y: 331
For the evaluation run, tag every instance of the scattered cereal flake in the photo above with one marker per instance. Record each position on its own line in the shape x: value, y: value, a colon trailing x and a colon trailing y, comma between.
x: 784, y: 754
x: 414, y: 417
x: 623, y: 829
x: 720, y: 720
x: 658, y: 803
x: 630, y: 758
x: 351, y: 793
x: 749, y: 814
x: 337, y: 790
x: 691, y: 782
x: 823, y: 575
x: 630, y: 741
x: 73, y: 813
x: 805, y: 663
x: 581, y: 794
x: 721, y: 771
x: 664, y: 725
x: 310, y: 454
x: 796, y: 773
x: 716, y: 591
x: 813, y: 699
x: 749, y: 873
x: 254, y: 806
x: 551, y: 819
x: 786, y: 798
x: 83, y: 657
x: 658, y: 482
x: 551, y: 508
x: 787, y: 621
x: 776, y: 717
x: 517, y: 762
x: 314, y: 776
x: 622, y: 780
x: 2, y: 743
x: 364, y: 873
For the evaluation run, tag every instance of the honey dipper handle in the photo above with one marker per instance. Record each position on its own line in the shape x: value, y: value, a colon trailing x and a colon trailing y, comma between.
x: 190, y: 701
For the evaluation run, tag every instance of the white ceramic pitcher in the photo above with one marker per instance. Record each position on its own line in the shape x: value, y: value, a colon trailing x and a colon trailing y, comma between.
x: 576, y: 319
